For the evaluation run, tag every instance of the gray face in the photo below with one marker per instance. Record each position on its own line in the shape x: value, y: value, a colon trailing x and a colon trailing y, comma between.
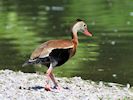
x: 82, y: 27
x: 79, y: 27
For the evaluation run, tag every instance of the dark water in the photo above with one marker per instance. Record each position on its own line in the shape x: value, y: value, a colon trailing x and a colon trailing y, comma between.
x: 107, y: 56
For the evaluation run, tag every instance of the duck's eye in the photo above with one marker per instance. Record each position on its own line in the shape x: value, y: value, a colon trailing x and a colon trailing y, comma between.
x: 84, y: 25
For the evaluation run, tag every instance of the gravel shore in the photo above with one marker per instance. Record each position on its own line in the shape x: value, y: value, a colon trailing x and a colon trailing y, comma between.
x: 27, y: 86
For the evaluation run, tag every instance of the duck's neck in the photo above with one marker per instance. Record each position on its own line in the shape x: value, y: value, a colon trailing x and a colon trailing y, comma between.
x: 75, y: 38
x: 74, y: 34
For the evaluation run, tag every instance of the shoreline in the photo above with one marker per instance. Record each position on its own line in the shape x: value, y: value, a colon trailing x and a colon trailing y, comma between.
x: 25, y: 86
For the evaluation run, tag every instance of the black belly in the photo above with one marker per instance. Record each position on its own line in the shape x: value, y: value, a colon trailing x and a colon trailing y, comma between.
x: 59, y: 56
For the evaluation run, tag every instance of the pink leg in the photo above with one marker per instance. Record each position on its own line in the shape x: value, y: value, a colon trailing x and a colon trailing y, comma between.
x: 50, y: 76
x: 54, y: 81
x: 53, y: 78
x: 48, y: 73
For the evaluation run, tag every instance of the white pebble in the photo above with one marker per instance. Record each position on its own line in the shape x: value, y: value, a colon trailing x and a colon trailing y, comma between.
x: 113, y: 42
x: 128, y: 86
x: 114, y: 75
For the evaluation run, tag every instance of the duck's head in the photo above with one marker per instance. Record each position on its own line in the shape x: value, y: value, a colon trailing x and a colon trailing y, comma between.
x: 81, y: 26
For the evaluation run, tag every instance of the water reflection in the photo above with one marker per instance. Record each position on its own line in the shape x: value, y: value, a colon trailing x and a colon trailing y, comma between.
x: 107, y: 56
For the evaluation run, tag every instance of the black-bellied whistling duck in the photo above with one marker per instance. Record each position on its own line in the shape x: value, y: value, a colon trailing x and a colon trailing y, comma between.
x: 56, y: 52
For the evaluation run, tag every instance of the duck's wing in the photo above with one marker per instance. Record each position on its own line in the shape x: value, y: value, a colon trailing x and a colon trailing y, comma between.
x: 46, y: 48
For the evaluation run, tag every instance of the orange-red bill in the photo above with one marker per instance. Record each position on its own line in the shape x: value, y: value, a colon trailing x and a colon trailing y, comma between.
x: 86, y: 32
